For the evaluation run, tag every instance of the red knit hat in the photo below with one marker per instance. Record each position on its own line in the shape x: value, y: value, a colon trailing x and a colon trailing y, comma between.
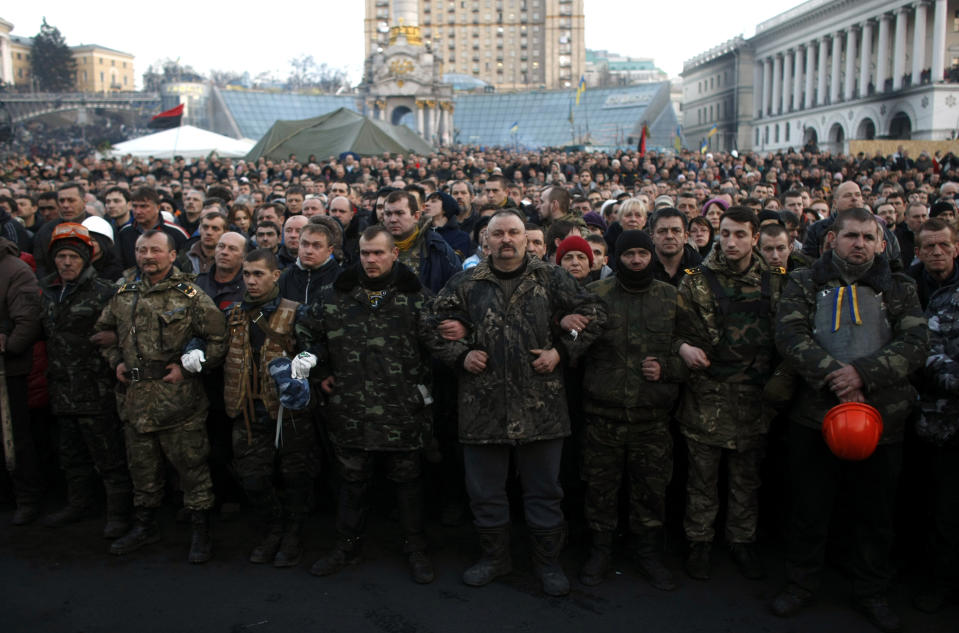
x: 574, y: 243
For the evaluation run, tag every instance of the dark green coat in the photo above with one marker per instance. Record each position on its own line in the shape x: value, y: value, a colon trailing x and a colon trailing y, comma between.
x: 379, y: 359
x: 509, y: 402
x: 80, y: 381
x: 639, y: 324
x: 885, y: 373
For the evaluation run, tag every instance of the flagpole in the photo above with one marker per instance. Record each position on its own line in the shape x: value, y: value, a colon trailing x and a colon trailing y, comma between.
x: 176, y: 140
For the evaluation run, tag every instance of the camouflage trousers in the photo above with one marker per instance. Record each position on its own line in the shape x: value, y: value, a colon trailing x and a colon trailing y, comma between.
x: 89, y: 445
x: 186, y: 447
x: 742, y: 500
x: 645, y: 453
x: 256, y: 459
x: 356, y: 468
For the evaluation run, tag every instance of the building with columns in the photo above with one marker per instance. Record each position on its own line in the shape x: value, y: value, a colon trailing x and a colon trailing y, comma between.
x: 6, y: 56
x: 828, y: 71
x: 718, y: 92
x: 404, y: 80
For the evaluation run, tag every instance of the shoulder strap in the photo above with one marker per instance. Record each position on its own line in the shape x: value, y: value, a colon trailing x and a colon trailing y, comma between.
x: 186, y: 289
x: 130, y: 286
x: 719, y: 293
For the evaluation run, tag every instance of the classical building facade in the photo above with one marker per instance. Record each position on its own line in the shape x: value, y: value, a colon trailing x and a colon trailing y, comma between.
x: 828, y: 71
x: 98, y: 68
x: 717, y: 97
x: 509, y: 44
x: 6, y: 57
x: 404, y: 80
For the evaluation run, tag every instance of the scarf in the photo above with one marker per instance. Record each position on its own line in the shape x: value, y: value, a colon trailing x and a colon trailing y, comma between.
x: 404, y: 245
x: 249, y: 302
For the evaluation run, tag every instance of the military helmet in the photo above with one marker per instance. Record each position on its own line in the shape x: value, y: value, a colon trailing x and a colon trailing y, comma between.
x: 852, y: 430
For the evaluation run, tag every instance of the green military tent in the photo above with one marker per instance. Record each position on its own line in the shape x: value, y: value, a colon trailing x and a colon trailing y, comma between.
x: 335, y: 133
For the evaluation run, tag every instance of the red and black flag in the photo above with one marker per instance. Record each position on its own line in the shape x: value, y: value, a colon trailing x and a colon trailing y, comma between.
x: 642, y: 141
x: 167, y: 119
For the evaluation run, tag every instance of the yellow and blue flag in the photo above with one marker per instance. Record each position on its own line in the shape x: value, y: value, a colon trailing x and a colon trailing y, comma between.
x: 581, y: 88
x: 513, y: 129
x: 712, y: 130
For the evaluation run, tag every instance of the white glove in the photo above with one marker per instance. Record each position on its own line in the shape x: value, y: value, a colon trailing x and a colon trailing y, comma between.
x: 193, y: 361
x: 301, y: 365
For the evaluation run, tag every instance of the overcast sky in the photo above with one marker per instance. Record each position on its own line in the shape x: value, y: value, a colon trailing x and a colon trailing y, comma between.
x: 262, y: 36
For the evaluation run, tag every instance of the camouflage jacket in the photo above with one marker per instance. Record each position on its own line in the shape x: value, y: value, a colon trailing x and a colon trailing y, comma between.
x: 884, y: 372
x: 155, y: 324
x: 939, y: 396
x: 639, y: 324
x: 80, y: 381
x: 722, y: 403
x: 378, y: 357
x: 509, y: 402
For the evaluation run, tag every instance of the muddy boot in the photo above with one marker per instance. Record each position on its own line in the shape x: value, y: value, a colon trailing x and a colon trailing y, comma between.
x: 547, y: 545
x: 291, y: 550
x: 201, y: 545
x: 495, y: 560
x: 598, y: 561
x: 347, y: 551
x: 119, y: 508
x: 266, y: 549
x: 409, y: 504
x: 143, y: 532
x: 649, y: 559
x: 697, y: 560
x: 351, y: 514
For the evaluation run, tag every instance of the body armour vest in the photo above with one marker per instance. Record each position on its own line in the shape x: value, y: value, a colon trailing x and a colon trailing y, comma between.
x: 245, y: 381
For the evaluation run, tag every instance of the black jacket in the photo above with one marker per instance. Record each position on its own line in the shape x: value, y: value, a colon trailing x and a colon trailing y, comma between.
x: 304, y: 285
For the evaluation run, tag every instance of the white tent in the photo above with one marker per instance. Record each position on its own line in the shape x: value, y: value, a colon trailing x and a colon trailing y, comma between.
x: 186, y: 141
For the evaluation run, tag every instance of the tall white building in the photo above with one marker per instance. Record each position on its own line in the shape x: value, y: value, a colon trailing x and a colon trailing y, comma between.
x: 828, y: 71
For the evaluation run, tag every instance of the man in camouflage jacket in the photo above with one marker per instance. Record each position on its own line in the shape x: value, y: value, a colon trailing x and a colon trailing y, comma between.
x: 853, y: 331
x: 370, y: 335
x: 631, y: 384
x: 166, y: 329
x: 511, y: 391
x: 725, y: 329
x: 938, y: 427
x: 81, y: 384
x: 259, y: 332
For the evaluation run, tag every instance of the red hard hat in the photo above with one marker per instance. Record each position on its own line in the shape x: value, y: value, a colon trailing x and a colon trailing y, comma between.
x: 852, y: 430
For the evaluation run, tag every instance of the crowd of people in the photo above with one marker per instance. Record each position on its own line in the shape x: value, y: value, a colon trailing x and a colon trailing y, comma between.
x: 601, y: 325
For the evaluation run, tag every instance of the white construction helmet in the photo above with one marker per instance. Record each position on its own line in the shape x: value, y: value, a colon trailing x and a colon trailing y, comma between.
x: 96, y: 224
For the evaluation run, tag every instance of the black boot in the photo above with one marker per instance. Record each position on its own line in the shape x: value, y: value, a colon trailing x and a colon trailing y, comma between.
x: 598, y: 561
x: 495, y: 560
x: 409, y: 503
x: 291, y: 549
x: 747, y: 559
x: 345, y: 552
x: 297, y: 506
x: 119, y: 508
x: 650, y: 544
x: 547, y: 545
x: 201, y: 545
x: 266, y: 549
x: 68, y: 514
x: 697, y: 560
x: 351, y: 524
x: 143, y: 532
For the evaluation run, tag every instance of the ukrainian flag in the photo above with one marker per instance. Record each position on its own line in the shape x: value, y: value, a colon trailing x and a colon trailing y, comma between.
x: 581, y: 88
x: 704, y: 146
x: 712, y: 131
x: 513, y: 129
